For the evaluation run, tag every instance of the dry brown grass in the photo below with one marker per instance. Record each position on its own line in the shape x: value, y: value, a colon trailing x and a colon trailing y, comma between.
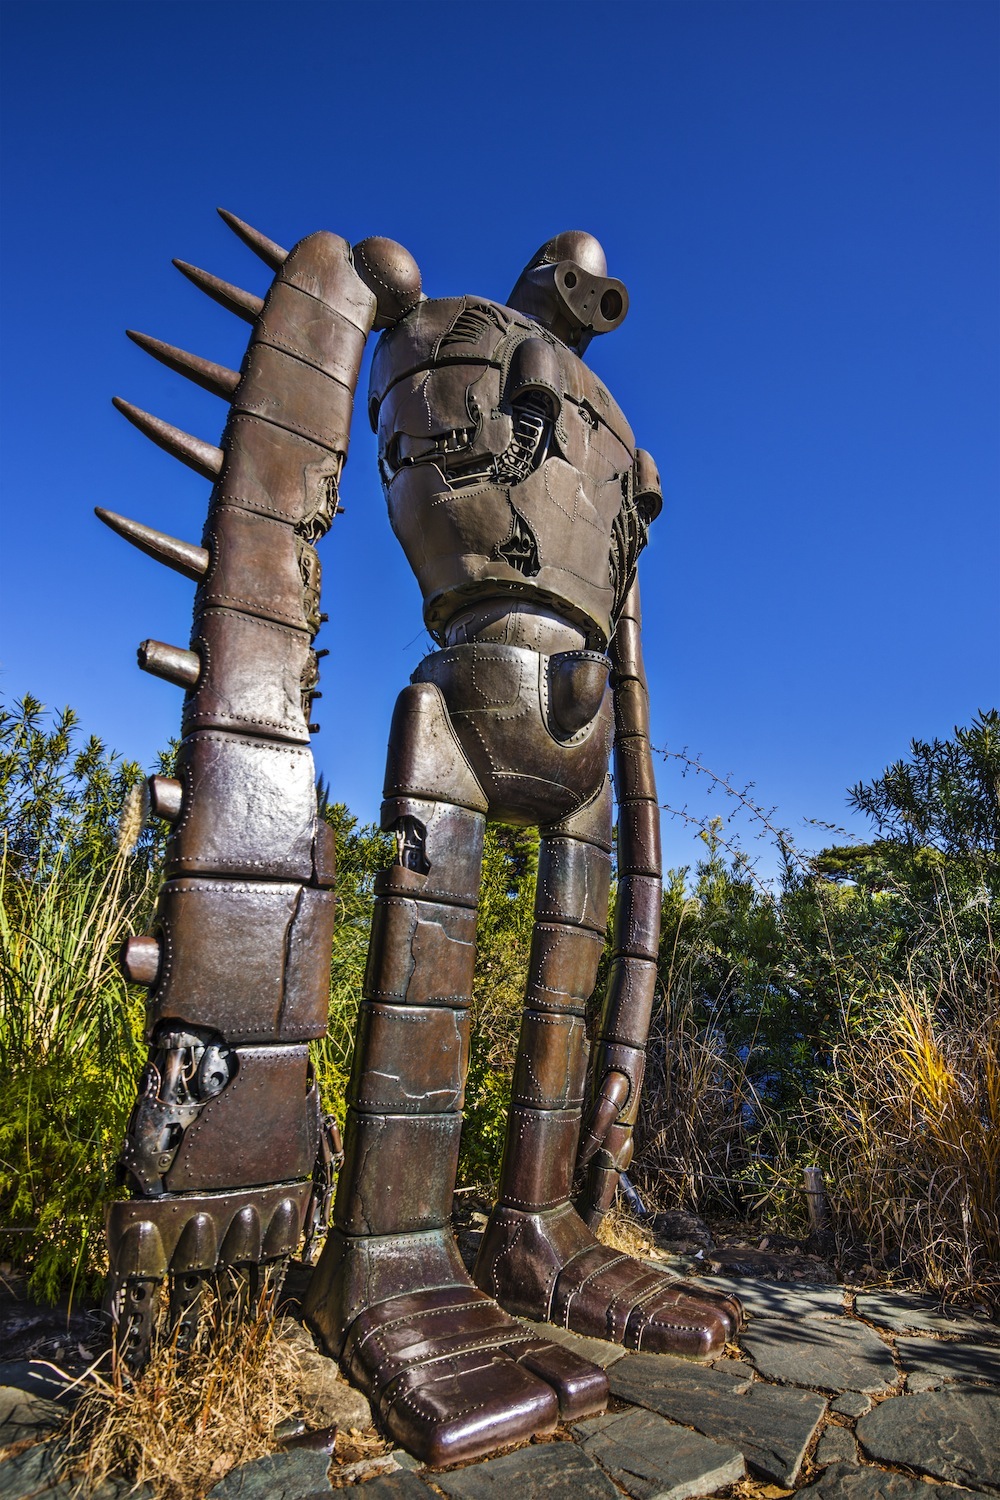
x: 912, y: 1117
x: 691, y: 1137
x: 188, y: 1418
x: 620, y: 1231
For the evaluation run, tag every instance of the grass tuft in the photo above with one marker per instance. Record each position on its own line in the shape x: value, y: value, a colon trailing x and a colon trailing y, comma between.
x: 187, y: 1419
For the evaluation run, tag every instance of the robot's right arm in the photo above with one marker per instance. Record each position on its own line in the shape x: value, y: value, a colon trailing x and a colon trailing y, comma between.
x: 223, y: 1151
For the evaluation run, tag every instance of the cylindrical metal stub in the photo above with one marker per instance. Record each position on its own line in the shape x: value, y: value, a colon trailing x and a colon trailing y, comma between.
x: 140, y: 960
x: 172, y: 663
x: 165, y: 794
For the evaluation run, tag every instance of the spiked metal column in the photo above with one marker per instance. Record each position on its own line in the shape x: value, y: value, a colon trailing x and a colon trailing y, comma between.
x: 224, y: 1150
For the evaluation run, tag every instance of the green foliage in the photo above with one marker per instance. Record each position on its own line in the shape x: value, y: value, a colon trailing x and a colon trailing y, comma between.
x: 362, y: 850
x: 506, y: 903
x: 793, y: 1021
x: 70, y: 1034
x: 946, y: 795
x: 58, y: 798
x: 814, y: 1022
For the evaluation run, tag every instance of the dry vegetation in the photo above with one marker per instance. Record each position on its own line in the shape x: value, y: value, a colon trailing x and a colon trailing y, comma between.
x: 911, y: 1120
x: 187, y: 1419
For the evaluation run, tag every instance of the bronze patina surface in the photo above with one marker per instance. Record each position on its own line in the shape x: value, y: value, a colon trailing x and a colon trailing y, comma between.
x: 522, y: 504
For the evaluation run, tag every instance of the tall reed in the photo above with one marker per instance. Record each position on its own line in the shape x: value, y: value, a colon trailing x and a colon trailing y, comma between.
x: 909, y: 1126
x: 70, y: 1051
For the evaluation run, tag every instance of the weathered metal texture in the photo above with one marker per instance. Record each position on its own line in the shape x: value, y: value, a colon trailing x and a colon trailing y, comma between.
x: 496, y: 698
x: 256, y: 677
x: 515, y: 487
x: 416, y: 1059
x: 247, y: 959
x: 550, y: 473
x: 401, y: 1170
x: 238, y: 964
x: 618, y: 1051
x: 522, y: 505
x: 249, y: 808
x: 150, y: 1237
x: 260, y: 1127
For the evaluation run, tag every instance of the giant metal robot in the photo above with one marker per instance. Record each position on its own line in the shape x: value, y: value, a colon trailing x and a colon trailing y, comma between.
x: 522, y: 504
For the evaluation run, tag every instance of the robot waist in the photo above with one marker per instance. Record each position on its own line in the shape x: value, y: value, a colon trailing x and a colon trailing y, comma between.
x: 566, y: 690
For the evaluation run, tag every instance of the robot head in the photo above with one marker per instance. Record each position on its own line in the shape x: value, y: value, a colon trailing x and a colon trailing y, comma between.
x: 566, y: 287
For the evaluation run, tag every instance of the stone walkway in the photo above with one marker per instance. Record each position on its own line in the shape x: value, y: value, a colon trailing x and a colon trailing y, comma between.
x: 833, y: 1395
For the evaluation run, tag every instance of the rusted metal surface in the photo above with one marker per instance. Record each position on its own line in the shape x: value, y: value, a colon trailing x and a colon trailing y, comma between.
x: 519, y: 497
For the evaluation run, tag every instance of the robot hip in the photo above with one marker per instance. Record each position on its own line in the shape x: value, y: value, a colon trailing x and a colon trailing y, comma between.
x: 536, y: 728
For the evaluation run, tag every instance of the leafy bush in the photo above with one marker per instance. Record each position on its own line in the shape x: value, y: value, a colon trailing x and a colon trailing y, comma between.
x: 70, y: 1033
x: 847, y: 1019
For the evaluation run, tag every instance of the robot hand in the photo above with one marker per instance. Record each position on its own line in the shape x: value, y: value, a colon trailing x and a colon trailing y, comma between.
x: 606, y: 1136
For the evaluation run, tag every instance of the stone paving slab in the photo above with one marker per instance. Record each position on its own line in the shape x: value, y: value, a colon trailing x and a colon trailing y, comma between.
x: 598, y: 1351
x: 920, y: 1380
x: 296, y: 1475
x: 952, y: 1434
x: 843, y: 1482
x: 23, y: 1415
x: 851, y: 1404
x: 33, y: 1475
x: 956, y: 1360
x: 544, y: 1471
x: 399, y: 1486
x: 836, y: 1446
x: 772, y: 1426
x: 831, y: 1355
x: 653, y: 1459
x: 780, y: 1299
x: 909, y: 1312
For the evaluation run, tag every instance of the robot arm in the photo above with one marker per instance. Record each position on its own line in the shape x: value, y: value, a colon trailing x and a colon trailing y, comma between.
x: 618, y: 1052
x: 226, y: 1154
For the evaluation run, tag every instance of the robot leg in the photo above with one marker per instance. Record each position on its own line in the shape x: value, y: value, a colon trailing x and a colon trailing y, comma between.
x: 449, y: 1374
x: 538, y: 1256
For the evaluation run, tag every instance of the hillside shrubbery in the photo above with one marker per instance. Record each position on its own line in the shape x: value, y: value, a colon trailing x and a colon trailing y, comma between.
x: 848, y: 1019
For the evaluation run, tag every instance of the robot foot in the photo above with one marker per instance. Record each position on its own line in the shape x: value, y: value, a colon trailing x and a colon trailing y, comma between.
x: 450, y: 1376
x: 548, y: 1266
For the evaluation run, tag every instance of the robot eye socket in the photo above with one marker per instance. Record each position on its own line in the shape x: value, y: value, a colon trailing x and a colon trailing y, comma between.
x: 611, y: 304
x: 569, y: 279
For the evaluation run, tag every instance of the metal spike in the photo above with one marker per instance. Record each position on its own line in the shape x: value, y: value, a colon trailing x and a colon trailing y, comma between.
x: 172, y: 663
x: 232, y: 298
x: 204, y: 458
x: 183, y: 557
x: 210, y: 376
x: 271, y: 254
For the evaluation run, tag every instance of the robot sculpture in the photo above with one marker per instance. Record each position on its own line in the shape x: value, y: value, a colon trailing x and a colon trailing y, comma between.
x: 522, y: 504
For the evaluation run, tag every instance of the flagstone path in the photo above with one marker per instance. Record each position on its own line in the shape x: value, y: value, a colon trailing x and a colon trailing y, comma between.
x: 834, y: 1395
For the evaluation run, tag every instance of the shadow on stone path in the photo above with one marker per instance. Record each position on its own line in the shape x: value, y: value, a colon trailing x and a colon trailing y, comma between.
x: 835, y: 1396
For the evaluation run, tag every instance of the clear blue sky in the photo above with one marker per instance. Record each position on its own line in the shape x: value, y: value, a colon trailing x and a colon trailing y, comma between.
x: 802, y: 198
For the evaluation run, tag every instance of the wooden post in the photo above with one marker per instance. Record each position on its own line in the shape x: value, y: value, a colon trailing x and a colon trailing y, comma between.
x: 815, y: 1191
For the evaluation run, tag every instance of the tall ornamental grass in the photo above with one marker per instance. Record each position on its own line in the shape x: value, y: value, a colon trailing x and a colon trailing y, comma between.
x: 70, y: 1053
x: 909, y: 1126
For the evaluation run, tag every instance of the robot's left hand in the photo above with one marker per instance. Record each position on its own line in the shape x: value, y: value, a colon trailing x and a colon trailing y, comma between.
x: 610, y: 1098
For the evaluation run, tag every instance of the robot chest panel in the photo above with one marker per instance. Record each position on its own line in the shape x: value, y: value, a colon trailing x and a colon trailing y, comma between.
x: 499, y: 469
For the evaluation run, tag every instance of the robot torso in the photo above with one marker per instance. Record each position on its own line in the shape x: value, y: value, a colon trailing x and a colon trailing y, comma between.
x: 508, y: 468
